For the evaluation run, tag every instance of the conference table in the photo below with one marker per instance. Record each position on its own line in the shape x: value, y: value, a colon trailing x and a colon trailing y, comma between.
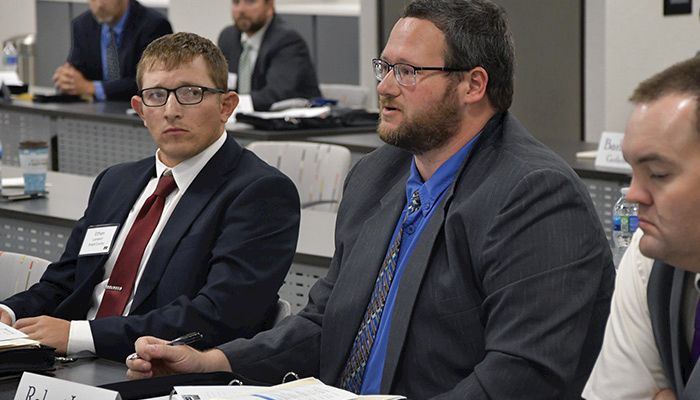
x: 89, y: 371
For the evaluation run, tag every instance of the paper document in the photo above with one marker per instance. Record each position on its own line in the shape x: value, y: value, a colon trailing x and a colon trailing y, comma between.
x: 13, y: 182
x: 305, y: 112
x: 9, y: 333
x: 22, y: 343
x: 10, y: 78
x: 303, y: 389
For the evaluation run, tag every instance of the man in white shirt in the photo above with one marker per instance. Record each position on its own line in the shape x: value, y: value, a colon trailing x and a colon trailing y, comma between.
x: 652, y: 339
x: 197, y: 238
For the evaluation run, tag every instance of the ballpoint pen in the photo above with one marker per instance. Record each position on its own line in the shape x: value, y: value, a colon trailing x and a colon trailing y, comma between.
x: 178, y: 341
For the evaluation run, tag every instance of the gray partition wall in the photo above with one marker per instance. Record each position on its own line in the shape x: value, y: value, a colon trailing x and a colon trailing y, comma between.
x: 549, y: 57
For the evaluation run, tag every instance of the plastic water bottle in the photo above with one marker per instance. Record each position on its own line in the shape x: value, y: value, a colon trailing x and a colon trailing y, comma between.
x: 625, y: 222
x: 9, y: 57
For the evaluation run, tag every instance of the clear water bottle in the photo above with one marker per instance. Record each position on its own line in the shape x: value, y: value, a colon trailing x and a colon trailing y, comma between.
x: 9, y: 57
x: 625, y: 222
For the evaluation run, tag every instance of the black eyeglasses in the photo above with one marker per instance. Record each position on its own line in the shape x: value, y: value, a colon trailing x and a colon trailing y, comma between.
x: 405, y: 73
x: 185, y: 95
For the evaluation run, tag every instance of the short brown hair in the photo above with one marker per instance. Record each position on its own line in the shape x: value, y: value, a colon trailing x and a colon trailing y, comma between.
x: 682, y: 78
x: 176, y: 49
x: 476, y: 34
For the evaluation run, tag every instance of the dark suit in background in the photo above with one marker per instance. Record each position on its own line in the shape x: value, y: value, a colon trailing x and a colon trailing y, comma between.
x: 142, y: 26
x: 283, y: 68
x: 505, y: 296
x: 216, y: 267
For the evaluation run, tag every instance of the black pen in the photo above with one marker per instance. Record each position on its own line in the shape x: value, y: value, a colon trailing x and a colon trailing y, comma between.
x: 178, y: 341
x: 189, y: 338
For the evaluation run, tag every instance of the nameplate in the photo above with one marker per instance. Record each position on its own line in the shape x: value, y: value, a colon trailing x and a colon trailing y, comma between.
x: 98, y: 240
x: 40, y: 387
x: 610, y: 152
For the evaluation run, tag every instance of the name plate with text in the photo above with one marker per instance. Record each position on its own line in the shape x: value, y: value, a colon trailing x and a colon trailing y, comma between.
x: 40, y: 387
x: 610, y: 152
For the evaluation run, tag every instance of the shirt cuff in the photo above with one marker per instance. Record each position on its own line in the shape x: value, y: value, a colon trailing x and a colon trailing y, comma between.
x: 99, y: 91
x: 9, y: 311
x: 80, y: 341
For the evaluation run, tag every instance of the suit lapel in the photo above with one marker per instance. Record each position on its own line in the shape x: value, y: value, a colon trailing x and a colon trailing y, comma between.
x: 408, y: 291
x: 679, y: 353
x: 214, y: 174
x: 90, y: 269
x: 363, y: 263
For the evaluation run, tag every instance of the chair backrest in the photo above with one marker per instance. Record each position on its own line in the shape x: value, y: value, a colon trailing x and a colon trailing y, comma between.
x: 318, y: 170
x: 347, y: 95
x: 19, y: 272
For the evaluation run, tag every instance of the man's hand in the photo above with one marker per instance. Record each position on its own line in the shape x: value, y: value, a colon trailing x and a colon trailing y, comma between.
x: 67, y: 79
x: 666, y: 394
x: 156, y: 357
x: 48, y: 330
x: 5, y: 317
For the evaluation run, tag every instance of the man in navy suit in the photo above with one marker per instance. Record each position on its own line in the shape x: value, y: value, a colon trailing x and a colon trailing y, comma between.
x: 220, y: 250
x: 278, y: 62
x: 87, y: 70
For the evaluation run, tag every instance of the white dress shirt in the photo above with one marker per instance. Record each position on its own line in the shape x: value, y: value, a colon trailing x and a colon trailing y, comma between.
x: 254, y: 41
x: 80, y: 341
x: 629, y: 365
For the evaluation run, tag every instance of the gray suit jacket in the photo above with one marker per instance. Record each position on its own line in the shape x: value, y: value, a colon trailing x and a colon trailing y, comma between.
x: 283, y: 68
x: 665, y: 300
x: 505, y: 296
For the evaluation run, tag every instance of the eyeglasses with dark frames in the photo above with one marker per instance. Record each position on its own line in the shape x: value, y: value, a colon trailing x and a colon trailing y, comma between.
x: 186, y: 95
x: 405, y: 73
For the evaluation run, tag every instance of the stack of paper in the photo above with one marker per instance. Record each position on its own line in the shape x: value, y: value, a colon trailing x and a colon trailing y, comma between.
x: 12, y: 339
x: 303, y: 389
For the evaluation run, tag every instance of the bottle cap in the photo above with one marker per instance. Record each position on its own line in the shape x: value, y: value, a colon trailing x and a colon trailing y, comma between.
x: 624, y: 191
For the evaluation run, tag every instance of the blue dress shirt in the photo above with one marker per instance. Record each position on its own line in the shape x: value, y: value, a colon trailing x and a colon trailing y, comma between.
x: 431, y: 193
x: 104, y: 42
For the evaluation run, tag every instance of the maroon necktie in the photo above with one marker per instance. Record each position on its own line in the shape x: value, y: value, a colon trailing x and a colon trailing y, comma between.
x: 121, y: 281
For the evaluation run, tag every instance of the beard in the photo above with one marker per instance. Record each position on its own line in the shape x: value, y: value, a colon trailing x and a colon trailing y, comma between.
x: 428, y: 129
x: 249, y: 25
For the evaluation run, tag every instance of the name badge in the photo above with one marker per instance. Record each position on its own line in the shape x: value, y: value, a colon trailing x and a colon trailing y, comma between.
x: 39, y: 387
x: 98, y: 240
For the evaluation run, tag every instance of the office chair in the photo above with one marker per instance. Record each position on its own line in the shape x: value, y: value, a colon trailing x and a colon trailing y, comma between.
x: 318, y: 170
x: 351, y: 96
x: 19, y: 272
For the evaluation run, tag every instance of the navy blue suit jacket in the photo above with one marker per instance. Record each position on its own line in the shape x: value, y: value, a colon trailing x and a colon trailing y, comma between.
x: 283, y: 68
x: 216, y: 267
x: 142, y: 27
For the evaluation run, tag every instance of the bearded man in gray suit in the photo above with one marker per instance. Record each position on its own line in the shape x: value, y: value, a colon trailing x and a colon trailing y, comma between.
x: 469, y: 261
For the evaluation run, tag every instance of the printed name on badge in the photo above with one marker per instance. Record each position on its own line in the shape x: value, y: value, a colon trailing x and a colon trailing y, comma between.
x: 98, y: 240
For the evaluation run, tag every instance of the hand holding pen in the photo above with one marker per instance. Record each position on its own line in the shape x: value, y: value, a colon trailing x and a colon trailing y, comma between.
x: 186, y: 339
x: 157, y: 357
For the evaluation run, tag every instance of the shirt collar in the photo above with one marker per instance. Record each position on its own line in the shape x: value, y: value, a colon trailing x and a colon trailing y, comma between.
x: 185, y: 172
x: 255, y: 40
x: 119, y: 26
x: 430, y: 191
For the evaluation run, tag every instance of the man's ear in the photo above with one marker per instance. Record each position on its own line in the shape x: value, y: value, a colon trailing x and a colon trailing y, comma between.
x: 229, y: 102
x: 137, y: 105
x: 472, y: 88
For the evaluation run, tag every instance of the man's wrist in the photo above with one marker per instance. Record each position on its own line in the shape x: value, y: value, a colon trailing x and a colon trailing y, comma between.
x: 214, y: 360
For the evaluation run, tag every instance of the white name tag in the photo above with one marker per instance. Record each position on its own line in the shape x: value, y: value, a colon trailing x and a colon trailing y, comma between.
x: 610, y: 152
x: 98, y: 240
x: 39, y: 387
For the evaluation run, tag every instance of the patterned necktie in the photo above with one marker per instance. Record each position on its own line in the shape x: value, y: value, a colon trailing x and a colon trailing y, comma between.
x: 121, y: 281
x: 695, y: 350
x: 353, y: 373
x: 112, y: 57
x: 245, y: 70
